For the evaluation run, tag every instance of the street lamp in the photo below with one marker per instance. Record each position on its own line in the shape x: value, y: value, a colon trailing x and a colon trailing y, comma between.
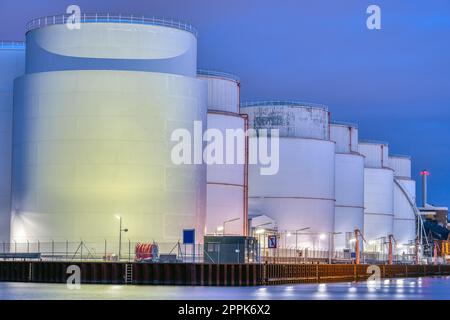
x: 120, y: 234
x: 260, y: 231
x: 219, y: 229
x: 227, y: 221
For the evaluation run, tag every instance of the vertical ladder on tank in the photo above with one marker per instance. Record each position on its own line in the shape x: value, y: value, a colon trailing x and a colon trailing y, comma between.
x: 128, y: 277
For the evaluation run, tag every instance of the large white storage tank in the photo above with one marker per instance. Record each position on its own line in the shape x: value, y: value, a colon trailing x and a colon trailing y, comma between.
x: 226, y: 191
x: 349, y: 184
x: 404, y: 198
x: 301, y: 193
x: 90, y: 144
x: 12, y: 65
x: 378, y: 195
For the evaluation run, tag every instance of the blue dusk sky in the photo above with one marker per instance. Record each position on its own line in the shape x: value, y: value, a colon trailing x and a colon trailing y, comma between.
x: 394, y: 82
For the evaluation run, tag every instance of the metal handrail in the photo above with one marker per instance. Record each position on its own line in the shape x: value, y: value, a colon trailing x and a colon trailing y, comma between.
x: 213, y: 73
x: 109, y: 18
x: 293, y: 103
x: 12, y: 44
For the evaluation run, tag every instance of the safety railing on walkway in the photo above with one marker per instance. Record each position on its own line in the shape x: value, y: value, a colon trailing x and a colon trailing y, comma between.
x: 129, y: 251
x: 176, y: 252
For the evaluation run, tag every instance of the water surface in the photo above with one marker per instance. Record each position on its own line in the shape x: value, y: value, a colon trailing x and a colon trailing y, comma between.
x: 436, y: 288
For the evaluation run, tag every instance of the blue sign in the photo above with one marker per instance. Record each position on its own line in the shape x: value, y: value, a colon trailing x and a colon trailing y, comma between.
x: 189, y: 236
x: 353, y: 255
x: 272, y: 242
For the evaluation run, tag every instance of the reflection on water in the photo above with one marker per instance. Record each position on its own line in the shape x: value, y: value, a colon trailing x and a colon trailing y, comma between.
x: 408, y: 289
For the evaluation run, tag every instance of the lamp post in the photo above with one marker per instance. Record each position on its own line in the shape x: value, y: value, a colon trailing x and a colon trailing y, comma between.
x: 260, y: 225
x: 227, y: 221
x: 259, y: 231
x: 219, y: 229
x: 120, y: 234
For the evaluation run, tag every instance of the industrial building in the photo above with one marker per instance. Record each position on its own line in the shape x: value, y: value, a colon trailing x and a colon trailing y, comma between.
x: 94, y: 110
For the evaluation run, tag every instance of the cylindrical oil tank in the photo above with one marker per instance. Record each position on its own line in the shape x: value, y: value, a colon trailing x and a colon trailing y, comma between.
x: 349, y: 184
x: 103, y: 43
x: 226, y: 190
x: 92, y: 144
x: 301, y: 193
x: 401, y: 165
x: 378, y: 195
x: 12, y: 65
x: 404, y: 198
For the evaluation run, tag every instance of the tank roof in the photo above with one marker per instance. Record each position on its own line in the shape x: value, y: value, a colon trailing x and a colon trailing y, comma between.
x: 110, y: 18
x: 217, y: 74
x: 12, y: 44
x: 290, y: 103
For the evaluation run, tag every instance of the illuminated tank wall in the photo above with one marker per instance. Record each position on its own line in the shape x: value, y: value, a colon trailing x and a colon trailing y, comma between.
x: 226, y: 197
x: 91, y: 143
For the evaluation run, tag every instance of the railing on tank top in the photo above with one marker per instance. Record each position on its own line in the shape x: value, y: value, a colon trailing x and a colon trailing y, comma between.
x: 369, y: 141
x: 263, y: 103
x: 344, y: 123
x: 220, y: 74
x: 12, y: 45
x: 109, y: 18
